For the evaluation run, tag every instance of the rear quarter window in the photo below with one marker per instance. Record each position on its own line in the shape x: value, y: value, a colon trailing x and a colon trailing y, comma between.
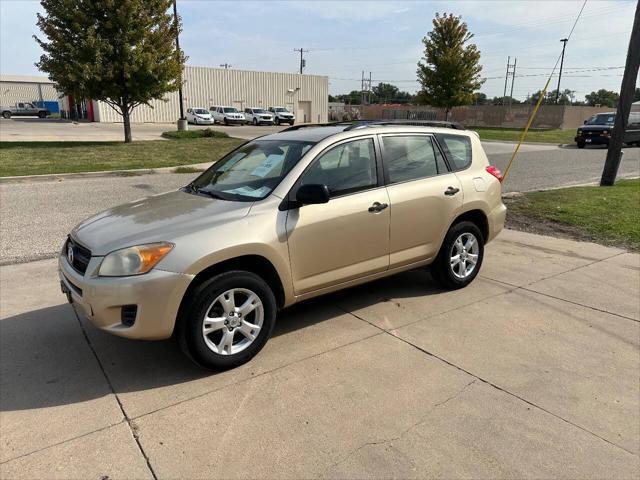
x: 457, y: 149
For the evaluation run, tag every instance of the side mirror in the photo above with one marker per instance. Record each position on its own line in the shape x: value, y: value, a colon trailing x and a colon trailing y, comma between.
x: 312, y: 193
x: 585, y: 122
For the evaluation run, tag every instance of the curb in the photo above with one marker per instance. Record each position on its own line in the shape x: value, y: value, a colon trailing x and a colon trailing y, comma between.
x: 103, y: 173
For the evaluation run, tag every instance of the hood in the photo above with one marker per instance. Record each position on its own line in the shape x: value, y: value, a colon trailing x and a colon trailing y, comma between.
x: 595, y: 128
x: 163, y: 217
x: 203, y: 115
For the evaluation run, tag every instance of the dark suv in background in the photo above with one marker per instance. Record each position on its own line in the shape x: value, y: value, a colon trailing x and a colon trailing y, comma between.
x: 597, y: 130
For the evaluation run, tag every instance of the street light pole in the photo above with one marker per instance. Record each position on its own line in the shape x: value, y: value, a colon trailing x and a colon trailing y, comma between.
x: 564, y: 45
x: 182, y: 124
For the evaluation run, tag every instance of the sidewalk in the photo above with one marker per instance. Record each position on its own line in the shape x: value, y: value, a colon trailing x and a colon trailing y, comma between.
x: 530, y: 372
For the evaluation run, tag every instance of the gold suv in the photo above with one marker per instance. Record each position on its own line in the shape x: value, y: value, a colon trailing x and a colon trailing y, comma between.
x: 281, y: 219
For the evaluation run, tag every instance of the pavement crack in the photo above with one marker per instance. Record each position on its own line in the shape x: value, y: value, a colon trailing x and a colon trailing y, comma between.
x: 132, y: 426
x: 404, y: 432
x: 493, y: 385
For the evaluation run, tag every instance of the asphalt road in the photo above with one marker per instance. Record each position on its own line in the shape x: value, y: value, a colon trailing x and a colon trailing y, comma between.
x: 35, y: 217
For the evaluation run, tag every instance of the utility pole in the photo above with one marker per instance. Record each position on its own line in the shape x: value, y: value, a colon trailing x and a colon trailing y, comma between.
x: 627, y: 89
x: 226, y: 65
x: 506, y: 78
x: 182, y: 124
x: 513, y: 78
x: 369, y: 90
x: 564, y: 45
x: 303, y: 63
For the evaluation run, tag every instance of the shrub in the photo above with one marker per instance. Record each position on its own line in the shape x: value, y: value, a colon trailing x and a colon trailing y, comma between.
x: 207, y: 132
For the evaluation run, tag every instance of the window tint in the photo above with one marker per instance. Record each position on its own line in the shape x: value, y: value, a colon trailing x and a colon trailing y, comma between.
x: 458, y: 149
x: 634, y: 120
x: 410, y: 157
x: 347, y: 168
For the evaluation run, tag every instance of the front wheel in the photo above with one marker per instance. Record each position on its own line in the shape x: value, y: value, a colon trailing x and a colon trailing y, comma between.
x: 6, y: 115
x: 228, y: 320
x: 255, y: 122
x: 460, y: 256
x: 42, y: 114
x: 581, y: 144
x: 277, y: 121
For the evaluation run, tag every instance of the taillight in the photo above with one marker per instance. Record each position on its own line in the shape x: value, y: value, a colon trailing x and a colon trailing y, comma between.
x: 495, y: 172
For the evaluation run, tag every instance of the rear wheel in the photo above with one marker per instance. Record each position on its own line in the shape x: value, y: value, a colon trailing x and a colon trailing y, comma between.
x: 460, y: 256
x: 42, y: 114
x: 6, y: 114
x: 228, y: 320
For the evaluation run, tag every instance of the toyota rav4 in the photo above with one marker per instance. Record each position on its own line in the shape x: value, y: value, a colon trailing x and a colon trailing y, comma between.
x: 281, y: 219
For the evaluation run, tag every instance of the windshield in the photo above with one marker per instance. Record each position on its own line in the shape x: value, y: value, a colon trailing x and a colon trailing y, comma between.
x: 601, y: 120
x: 230, y: 110
x: 252, y: 171
x: 201, y: 111
x: 258, y: 110
x: 280, y: 109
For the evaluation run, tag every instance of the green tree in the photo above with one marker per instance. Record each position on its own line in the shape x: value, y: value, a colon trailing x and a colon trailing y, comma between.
x: 636, y: 96
x: 606, y: 98
x: 449, y: 71
x: 121, y: 52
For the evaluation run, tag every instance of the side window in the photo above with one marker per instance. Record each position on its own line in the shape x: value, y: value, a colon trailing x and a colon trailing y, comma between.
x: 410, y: 157
x: 347, y: 168
x: 21, y: 105
x: 458, y: 150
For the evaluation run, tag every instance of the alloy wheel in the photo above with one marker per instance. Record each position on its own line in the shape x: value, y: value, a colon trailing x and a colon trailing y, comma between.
x: 464, y: 255
x: 233, y: 321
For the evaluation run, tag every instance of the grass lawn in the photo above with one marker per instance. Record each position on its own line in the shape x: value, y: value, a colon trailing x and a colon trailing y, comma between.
x: 608, y: 215
x: 38, y: 158
x: 513, y: 134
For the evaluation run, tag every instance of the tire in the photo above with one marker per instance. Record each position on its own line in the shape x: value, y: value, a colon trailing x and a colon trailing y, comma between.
x: 277, y: 121
x: 42, y: 114
x: 6, y: 115
x: 581, y: 144
x: 255, y: 122
x: 443, y: 270
x: 291, y: 123
x: 205, y: 302
x: 226, y: 122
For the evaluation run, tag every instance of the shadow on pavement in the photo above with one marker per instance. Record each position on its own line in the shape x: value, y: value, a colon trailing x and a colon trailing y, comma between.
x: 42, y: 120
x: 47, y: 362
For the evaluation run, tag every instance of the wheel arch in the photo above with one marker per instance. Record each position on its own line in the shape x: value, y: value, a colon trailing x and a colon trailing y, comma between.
x: 257, y: 264
x: 477, y: 217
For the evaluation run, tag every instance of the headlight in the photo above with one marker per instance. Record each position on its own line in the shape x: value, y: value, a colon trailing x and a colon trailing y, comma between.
x: 133, y: 260
x: 579, y: 132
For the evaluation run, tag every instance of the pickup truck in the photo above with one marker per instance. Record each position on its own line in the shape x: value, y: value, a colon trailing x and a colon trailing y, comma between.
x: 24, y: 109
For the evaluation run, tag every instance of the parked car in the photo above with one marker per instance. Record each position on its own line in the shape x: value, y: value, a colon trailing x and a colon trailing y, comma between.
x: 227, y: 115
x: 199, y: 116
x: 258, y: 116
x: 597, y: 130
x: 281, y: 219
x: 24, y: 109
x: 282, y: 115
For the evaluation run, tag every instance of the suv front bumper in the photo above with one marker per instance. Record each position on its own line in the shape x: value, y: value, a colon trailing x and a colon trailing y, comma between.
x: 157, y: 296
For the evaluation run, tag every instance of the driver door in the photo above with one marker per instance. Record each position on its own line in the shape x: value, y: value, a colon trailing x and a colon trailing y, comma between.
x: 348, y: 237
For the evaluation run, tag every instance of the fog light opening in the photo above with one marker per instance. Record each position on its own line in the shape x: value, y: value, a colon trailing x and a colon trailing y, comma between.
x: 128, y: 315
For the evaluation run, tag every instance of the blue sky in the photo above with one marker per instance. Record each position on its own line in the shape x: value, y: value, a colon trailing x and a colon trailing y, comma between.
x: 384, y: 37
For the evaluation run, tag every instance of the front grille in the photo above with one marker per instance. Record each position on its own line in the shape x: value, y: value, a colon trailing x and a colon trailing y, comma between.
x: 79, y: 260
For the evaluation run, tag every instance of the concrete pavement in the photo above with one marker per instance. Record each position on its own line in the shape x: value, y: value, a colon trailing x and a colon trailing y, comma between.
x: 530, y: 372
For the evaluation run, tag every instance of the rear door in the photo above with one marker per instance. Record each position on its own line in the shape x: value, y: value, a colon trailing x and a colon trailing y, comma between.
x: 424, y: 196
x: 348, y: 237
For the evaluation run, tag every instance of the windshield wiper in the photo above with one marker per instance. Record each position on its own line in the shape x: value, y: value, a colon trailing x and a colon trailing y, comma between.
x: 192, y: 188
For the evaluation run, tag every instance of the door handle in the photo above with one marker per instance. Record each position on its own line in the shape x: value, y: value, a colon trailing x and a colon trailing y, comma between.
x: 451, y: 191
x: 377, y: 207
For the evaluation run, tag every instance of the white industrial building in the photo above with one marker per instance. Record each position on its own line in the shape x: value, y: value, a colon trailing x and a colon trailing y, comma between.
x: 24, y: 88
x: 305, y: 95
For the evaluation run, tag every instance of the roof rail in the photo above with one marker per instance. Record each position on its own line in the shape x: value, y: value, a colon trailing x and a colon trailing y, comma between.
x: 311, y: 125
x: 417, y: 123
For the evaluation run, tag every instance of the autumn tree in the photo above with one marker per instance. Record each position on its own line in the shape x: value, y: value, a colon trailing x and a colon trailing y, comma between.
x: 121, y: 52
x: 449, y: 71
